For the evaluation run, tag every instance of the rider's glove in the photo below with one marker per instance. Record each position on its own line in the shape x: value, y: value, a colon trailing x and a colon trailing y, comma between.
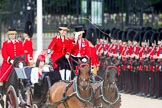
x: 11, y: 61
x: 67, y: 56
x: 48, y: 51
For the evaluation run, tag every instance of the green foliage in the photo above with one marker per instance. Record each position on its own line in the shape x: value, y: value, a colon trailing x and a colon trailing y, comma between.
x: 3, y: 4
x: 154, y: 1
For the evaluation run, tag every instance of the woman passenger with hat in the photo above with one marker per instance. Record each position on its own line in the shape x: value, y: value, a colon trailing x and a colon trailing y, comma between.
x: 11, y: 47
x: 59, y: 48
x: 36, y: 72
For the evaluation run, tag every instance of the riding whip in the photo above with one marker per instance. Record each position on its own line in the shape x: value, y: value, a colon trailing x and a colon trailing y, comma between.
x: 70, y: 65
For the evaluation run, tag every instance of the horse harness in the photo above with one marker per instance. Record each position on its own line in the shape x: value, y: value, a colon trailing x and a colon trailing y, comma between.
x: 76, y: 92
x: 106, y: 99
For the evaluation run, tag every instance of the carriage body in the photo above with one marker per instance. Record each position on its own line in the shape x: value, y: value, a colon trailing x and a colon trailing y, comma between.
x: 18, y: 89
x: 36, y: 94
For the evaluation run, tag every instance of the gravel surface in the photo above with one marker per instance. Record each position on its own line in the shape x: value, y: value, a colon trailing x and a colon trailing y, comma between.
x: 133, y: 101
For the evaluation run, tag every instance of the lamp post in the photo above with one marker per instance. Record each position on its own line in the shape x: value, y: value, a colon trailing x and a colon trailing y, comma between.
x: 39, y: 28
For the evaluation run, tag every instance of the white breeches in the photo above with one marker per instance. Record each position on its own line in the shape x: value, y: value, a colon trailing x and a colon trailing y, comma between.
x: 67, y: 73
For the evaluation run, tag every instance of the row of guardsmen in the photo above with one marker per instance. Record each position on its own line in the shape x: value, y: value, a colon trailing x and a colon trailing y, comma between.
x: 138, y: 52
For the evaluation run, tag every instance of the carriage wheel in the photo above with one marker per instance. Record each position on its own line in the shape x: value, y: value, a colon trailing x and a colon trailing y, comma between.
x: 11, y: 98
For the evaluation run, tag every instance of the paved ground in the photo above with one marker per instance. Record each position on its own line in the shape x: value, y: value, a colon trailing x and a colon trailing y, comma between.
x: 133, y: 101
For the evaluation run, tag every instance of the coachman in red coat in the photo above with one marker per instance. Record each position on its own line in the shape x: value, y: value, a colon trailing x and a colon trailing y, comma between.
x: 11, y: 47
x: 79, y: 47
x: 60, y: 51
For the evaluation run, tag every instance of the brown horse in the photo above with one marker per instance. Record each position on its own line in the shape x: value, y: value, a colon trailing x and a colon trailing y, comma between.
x: 77, y: 93
x: 107, y: 95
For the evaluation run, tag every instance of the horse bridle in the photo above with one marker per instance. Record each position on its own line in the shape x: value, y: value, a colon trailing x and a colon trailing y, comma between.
x: 81, y: 86
x: 76, y: 92
x: 104, y: 98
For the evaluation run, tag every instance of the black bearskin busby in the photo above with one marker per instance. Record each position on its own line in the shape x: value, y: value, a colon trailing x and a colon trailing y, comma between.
x: 29, y: 28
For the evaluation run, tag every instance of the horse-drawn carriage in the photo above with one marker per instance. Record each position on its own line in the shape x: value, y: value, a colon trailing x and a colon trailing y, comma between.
x: 85, y: 91
x: 19, y: 90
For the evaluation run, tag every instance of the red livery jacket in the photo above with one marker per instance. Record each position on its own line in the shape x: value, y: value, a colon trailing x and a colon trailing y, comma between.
x: 59, y: 46
x: 9, y: 50
x: 80, y: 48
x: 28, y: 49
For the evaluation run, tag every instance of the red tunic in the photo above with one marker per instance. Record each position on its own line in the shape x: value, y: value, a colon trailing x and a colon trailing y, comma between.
x: 101, y: 47
x: 152, y: 53
x: 80, y: 49
x: 158, y: 52
x: 94, y: 57
x: 60, y: 47
x: 28, y: 49
x: 114, y: 48
x: 130, y: 52
x: 123, y: 54
x: 9, y: 50
x: 141, y: 53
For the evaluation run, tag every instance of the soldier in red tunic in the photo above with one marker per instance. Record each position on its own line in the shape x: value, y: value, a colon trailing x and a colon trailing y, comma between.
x: 158, y: 76
x: 153, y: 64
x: 130, y: 35
x: 135, y: 57
x: 28, y: 45
x: 147, y: 63
x: 142, y: 59
x: 60, y: 51
x: 11, y: 47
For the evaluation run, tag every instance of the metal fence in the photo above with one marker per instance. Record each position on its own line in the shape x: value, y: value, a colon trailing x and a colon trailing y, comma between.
x: 106, y: 13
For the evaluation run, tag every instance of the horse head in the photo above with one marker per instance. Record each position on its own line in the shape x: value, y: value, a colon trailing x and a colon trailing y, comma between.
x: 77, y: 93
x: 110, y: 78
x: 84, y: 74
x: 106, y: 95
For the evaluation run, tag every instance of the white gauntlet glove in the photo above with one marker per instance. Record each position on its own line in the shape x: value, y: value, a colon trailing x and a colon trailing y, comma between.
x: 67, y: 56
x: 48, y: 51
x: 11, y: 61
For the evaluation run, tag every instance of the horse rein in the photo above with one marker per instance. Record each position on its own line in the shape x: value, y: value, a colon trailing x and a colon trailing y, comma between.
x: 76, y: 92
